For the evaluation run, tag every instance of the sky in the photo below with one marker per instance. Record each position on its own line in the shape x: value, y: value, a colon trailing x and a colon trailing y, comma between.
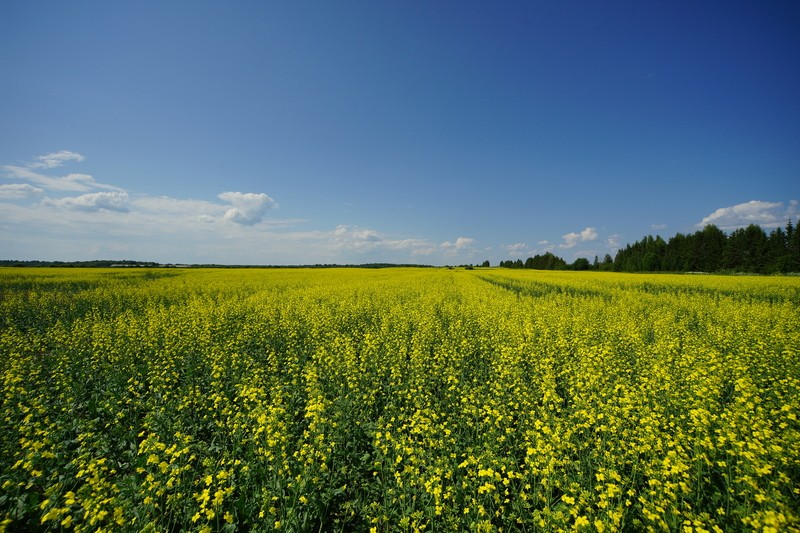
x: 446, y: 132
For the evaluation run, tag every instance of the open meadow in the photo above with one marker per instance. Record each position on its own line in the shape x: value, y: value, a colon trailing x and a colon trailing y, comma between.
x: 398, y: 400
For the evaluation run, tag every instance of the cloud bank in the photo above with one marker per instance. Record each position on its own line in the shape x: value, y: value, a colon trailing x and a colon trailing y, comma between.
x: 764, y: 214
x: 72, y: 182
x: 18, y: 191
x: 75, y: 217
x: 97, y: 201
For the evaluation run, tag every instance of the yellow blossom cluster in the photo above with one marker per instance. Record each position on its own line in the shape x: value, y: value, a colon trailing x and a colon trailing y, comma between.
x: 398, y: 400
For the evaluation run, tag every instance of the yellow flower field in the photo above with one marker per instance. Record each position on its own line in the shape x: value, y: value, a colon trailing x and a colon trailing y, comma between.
x: 398, y: 400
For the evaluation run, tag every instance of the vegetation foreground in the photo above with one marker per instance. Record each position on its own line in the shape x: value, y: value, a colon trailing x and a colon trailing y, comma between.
x: 398, y: 400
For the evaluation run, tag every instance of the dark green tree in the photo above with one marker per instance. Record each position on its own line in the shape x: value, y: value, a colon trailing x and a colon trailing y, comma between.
x: 677, y: 254
x: 777, y: 252
x: 581, y: 263
x: 708, y: 248
x: 793, y: 247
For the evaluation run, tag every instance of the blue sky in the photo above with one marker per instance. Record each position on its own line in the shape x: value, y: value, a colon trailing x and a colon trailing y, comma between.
x: 414, y: 132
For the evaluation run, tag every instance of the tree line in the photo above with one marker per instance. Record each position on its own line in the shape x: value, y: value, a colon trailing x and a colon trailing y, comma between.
x: 749, y: 249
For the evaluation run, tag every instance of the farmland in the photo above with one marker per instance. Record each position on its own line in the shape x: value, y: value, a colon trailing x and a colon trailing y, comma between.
x: 398, y: 400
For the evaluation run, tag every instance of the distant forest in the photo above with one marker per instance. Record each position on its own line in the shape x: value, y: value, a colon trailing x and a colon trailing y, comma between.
x: 748, y: 249
x: 127, y: 263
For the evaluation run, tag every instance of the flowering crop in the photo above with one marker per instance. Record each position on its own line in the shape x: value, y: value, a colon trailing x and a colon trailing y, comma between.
x: 398, y: 400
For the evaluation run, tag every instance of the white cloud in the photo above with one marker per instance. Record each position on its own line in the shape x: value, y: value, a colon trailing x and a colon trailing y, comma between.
x: 176, y: 208
x: 56, y: 159
x: 517, y: 249
x: 68, y: 183
x: 613, y: 240
x: 18, y: 191
x: 81, y: 181
x: 96, y: 201
x: 248, y: 208
x: 461, y: 245
x: 188, y: 214
x: 346, y: 238
x: 73, y: 182
x: 765, y: 214
x: 657, y: 227
x: 354, y: 237
x: 572, y: 239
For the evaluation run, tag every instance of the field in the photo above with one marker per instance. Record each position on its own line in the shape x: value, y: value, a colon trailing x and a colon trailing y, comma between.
x: 398, y: 400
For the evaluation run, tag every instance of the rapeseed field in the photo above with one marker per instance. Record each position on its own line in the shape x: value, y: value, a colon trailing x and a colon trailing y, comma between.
x: 398, y: 400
